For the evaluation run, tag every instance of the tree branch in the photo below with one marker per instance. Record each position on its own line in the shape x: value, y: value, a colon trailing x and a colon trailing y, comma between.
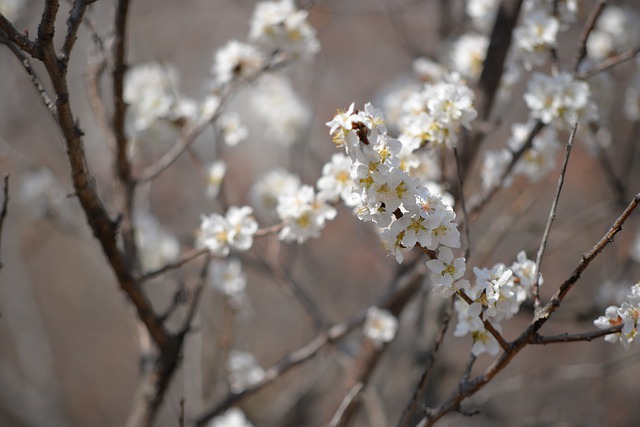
x: 73, y: 23
x: 4, y: 211
x: 581, y: 51
x: 552, y: 216
x: 564, y: 338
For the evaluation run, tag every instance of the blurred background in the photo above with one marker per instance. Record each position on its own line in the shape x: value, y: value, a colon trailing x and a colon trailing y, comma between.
x: 69, y: 344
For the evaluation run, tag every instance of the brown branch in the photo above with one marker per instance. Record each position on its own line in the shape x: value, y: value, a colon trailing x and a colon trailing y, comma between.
x: 73, y: 24
x: 552, y: 216
x: 46, y: 29
x: 339, y: 418
x: 407, y: 414
x: 14, y: 36
x: 564, y: 338
x: 4, y: 211
x: 468, y: 388
x: 581, y: 50
x: 609, y: 63
x: 35, y: 80
x: 185, y: 258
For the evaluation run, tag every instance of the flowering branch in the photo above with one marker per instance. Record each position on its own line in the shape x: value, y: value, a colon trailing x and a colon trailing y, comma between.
x: 487, y: 324
x: 467, y: 388
x: 535, y: 289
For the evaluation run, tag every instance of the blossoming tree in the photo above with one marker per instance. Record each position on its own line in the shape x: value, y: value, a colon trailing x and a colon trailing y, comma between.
x: 422, y: 183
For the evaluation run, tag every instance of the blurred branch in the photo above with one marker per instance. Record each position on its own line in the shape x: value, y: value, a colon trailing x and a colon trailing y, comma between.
x: 73, y: 23
x: 395, y: 296
x: 421, y: 387
x: 339, y: 418
x: 581, y: 51
x: 535, y: 289
x: 617, y: 186
x: 3, y: 212
x: 609, y: 63
x: 185, y: 258
x: 463, y: 205
x: 477, y: 205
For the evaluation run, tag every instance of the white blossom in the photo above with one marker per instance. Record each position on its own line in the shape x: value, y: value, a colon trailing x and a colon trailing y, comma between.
x: 215, y: 176
x: 267, y: 189
x: 303, y: 214
x: 235, y: 230
x: 236, y: 60
x: 380, y: 325
x: 226, y: 276
x: 233, y: 417
x: 244, y: 370
x: 232, y: 129
x: 156, y: 246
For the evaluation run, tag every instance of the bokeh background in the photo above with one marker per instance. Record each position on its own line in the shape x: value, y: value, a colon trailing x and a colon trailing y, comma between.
x: 69, y: 346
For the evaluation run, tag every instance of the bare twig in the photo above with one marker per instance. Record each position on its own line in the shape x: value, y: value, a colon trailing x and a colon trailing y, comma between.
x: 552, y: 216
x: 4, y: 211
x: 465, y: 216
x: 187, y: 257
x: 609, y: 63
x: 581, y: 50
x: 35, y: 80
x: 338, y: 419
x: 73, y: 23
x: 586, y: 336
x: 407, y: 414
x: 14, y: 36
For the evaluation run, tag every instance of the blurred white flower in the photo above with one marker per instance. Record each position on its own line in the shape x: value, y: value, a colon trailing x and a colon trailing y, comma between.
x: 244, y: 370
x: 380, y: 326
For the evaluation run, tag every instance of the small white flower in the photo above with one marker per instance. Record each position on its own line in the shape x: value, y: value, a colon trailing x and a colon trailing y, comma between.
x: 235, y: 230
x: 233, y: 417
x: 244, y: 370
x: 232, y: 129
x: 268, y: 188
x: 380, y: 326
x: 304, y: 214
x: 227, y: 277
x: 215, y: 175
x: 236, y: 60
x: 156, y: 246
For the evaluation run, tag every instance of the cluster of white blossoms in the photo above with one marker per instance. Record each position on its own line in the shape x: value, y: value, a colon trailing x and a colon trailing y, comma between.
x: 560, y: 100
x: 627, y: 315
x: 380, y: 326
x: 303, y: 214
x: 267, y: 189
x: 535, y: 163
x: 406, y: 212
x: 156, y: 246
x: 226, y: 276
x: 467, y: 55
x: 276, y: 27
x: 617, y: 30
x: 234, y: 230
x: 244, y: 370
x: 496, y: 295
x: 233, y: 417
x: 150, y: 92
x: 435, y: 114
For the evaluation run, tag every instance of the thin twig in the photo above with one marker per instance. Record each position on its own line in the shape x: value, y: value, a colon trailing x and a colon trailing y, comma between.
x: 407, y: 414
x: 187, y: 257
x: 4, y: 211
x: 35, y: 80
x: 465, y: 216
x: 585, y: 336
x: 535, y: 290
x: 14, y: 36
x: 581, y: 51
x: 76, y: 16
x: 609, y: 63
x: 339, y: 417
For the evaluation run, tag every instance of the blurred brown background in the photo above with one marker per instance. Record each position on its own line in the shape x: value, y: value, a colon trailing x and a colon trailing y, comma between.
x: 68, y: 340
